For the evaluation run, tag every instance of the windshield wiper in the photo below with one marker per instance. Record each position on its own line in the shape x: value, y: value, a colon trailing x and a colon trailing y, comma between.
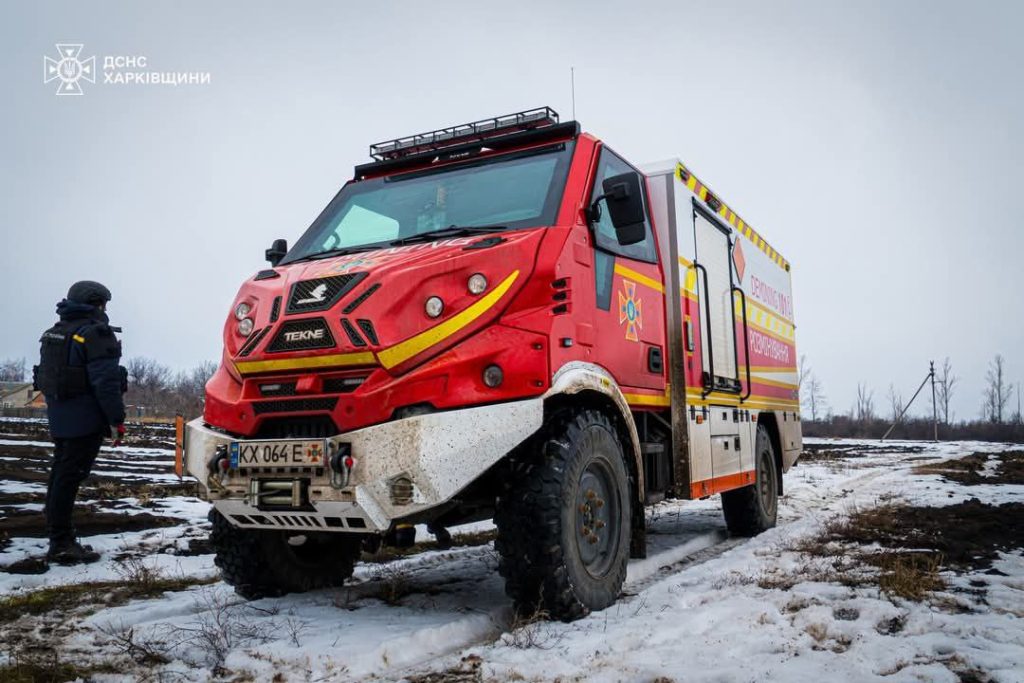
x: 450, y: 231
x: 331, y: 253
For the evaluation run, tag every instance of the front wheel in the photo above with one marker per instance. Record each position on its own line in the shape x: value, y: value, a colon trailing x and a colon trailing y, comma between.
x: 753, y: 509
x: 261, y: 563
x: 564, y: 519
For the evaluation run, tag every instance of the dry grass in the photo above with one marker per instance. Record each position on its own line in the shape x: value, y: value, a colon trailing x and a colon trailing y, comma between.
x: 467, y: 671
x: 532, y: 631
x: 48, y: 667
x: 136, y: 581
x: 909, y: 575
x: 390, y: 585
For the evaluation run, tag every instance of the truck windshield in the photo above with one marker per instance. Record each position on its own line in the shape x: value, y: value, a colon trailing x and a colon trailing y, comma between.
x: 517, y: 190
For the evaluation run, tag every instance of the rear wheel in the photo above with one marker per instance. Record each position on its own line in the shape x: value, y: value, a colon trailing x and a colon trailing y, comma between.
x: 262, y: 563
x: 564, y: 519
x: 753, y: 509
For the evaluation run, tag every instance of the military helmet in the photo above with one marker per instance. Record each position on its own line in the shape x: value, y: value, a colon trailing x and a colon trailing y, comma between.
x: 89, y: 292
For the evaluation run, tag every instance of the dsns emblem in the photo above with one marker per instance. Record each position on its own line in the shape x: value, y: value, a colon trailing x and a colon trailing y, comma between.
x: 630, y: 311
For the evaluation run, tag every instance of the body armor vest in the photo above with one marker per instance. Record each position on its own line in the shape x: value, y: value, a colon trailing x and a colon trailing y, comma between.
x: 55, y: 376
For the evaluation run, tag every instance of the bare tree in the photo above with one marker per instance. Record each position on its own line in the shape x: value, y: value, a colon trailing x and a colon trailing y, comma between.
x: 815, y: 397
x: 188, y: 391
x: 895, y: 403
x: 864, y: 411
x: 147, y: 381
x: 945, y: 386
x: 803, y: 371
x: 12, y: 370
x: 997, y: 391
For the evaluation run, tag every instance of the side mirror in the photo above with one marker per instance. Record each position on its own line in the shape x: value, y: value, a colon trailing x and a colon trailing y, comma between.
x: 625, y: 198
x: 276, y: 252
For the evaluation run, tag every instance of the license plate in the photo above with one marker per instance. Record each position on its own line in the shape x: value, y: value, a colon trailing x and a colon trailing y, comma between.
x: 276, y: 454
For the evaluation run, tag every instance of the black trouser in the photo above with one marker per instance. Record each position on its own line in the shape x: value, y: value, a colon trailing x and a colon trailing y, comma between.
x: 72, y: 462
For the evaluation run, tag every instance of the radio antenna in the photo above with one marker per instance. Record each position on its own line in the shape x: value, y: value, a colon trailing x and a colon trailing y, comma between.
x: 572, y: 80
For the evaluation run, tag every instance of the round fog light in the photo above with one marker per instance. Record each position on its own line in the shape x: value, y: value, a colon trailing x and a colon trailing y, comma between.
x: 242, y: 310
x: 493, y: 376
x: 434, y: 306
x: 477, y: 283
x: 245, y: 327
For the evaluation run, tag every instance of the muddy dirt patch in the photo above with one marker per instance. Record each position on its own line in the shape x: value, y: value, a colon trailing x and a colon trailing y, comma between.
x: 88, y: 520
x: 965, y: 536
x: 974, y: 469
x: 904, y: 549
x: 827, y: 452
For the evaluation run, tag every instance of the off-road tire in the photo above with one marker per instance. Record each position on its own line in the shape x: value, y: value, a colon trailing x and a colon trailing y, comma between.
x: 259, y: 563
x: 548, y: 564
x: 753, y: 509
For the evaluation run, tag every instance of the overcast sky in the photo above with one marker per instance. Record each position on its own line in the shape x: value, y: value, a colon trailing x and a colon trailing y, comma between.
x: 877, y: 145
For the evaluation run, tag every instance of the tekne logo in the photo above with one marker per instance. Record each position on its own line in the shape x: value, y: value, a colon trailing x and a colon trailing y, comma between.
x: 69, y: 69
x: 630, y: 311
x: 317, y: 296
x: 304, y: 335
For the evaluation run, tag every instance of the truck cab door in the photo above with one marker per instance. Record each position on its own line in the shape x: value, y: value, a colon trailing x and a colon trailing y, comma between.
x: 629, y: 319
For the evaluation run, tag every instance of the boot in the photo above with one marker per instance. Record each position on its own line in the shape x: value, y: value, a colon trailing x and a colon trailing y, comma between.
x: 72, y: 552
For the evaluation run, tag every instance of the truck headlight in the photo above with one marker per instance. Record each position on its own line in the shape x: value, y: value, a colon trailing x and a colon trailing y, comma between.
x: 245, y: 327
x: 434, y: 306
x: 477, y: 283
x: 242, y: 310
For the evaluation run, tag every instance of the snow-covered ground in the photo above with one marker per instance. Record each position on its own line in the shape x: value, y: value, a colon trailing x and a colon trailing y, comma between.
x: 702, y: 607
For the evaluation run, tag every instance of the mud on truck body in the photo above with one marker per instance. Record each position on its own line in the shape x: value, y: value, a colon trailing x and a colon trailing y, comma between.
x: 504, y: 320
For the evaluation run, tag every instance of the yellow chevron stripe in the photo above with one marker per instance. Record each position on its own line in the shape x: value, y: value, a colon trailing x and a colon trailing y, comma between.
x: 403, y: 351
x: 639, y: 277
x: 649, y: 399
x: 768, y: 368
x: 335, y: 360
x: 757, y: 400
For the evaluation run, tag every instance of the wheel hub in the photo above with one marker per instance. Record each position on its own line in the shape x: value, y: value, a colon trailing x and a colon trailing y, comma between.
x: 596, y: 507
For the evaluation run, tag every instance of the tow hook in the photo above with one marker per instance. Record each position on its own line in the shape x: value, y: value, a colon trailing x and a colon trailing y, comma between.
x: 218, y: 467
x: 341, y: 464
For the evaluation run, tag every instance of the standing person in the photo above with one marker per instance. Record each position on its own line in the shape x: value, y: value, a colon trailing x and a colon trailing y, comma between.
x: 84, y: 385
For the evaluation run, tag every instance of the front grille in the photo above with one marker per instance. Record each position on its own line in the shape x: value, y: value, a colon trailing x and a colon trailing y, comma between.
x: 342, y: 385
x: 277, y: 389
x: 294, y: 405
x: 302, y: 335
x: 362, y: 297
x: 353, y: 335
x: 316, y: 427
x: 275, y: 309
x: 253, y: 341
x: 367, y: 327
x: 321, y: 293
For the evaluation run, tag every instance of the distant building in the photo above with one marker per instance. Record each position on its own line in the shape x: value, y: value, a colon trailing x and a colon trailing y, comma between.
x: 20, y: 395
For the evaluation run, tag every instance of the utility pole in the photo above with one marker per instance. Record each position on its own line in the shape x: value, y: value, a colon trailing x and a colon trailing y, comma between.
x: 935, y: 416
x: 935, y: 407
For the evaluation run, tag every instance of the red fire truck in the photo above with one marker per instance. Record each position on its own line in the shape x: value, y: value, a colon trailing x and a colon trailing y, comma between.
x: 503, y: 319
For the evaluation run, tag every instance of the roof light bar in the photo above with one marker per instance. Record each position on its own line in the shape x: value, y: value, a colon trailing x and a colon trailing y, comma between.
x: 481, y: 130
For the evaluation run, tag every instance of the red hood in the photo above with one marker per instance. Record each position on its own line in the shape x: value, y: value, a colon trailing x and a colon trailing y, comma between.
x: 385, y: 309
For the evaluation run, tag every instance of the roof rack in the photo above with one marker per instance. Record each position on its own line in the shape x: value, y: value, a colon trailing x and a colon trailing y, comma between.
x: 455, y: 135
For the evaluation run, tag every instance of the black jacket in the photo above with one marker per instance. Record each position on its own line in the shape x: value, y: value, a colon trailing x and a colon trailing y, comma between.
x: 99, y: 352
